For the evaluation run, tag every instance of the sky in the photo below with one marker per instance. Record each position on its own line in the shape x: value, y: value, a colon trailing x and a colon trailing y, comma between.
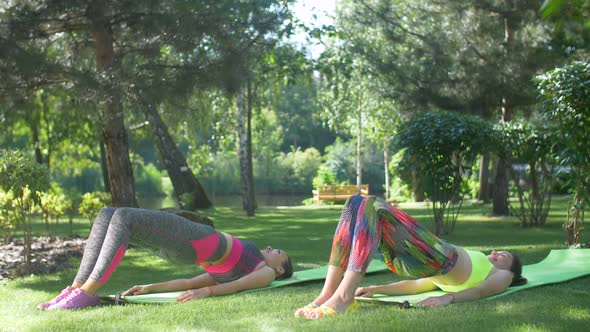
x: 313, y: 13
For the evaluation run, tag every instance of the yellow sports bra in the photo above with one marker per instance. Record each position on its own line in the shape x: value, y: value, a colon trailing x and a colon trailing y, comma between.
x: 480, y: 268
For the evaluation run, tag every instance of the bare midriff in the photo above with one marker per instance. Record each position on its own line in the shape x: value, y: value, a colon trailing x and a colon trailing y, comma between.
x: 459, y: 273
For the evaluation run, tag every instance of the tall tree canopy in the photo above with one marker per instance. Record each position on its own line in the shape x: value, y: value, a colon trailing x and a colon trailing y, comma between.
x: 119, y: 53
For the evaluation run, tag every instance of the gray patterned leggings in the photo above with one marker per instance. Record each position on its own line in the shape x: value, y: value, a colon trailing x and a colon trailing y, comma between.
x: 168, y: 235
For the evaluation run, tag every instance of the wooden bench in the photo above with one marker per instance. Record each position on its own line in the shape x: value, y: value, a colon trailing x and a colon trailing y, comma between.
x: 337, y: 193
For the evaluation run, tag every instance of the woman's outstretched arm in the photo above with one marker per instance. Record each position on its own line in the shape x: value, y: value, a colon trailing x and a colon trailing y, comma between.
x: 199, y: 281
x: 494, y: 284
x: 257, y: 279
x: 404, y: 287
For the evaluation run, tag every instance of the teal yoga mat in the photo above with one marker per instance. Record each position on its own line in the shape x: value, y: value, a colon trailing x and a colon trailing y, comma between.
x: 298, y: 277
x: 558, y: 266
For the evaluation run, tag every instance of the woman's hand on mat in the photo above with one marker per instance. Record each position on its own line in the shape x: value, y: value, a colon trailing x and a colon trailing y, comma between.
x: 194, y: 294
x: 436, y: 301
x: 365, y: 291
x: 138, y: 290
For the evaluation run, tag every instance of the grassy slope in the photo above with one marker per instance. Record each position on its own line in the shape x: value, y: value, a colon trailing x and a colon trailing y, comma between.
x: 306, y: 234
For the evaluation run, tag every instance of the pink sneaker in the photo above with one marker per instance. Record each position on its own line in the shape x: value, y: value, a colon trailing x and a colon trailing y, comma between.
x: 56, y: 299
x: 77, y: 299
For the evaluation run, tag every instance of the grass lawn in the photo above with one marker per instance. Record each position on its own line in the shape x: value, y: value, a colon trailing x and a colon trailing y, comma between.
x: 306, y: 234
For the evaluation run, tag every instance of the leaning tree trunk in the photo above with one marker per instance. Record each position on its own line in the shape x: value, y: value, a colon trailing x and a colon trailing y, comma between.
x: 244, y: 108
x: 188, y: 190
x: 115, y: 134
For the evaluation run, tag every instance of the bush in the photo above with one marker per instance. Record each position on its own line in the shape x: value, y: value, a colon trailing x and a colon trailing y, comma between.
x: 23, y: 178
x: 148, y: 179
x: 564, y: 95
x: 442, y: 147
x: 92, y: 203
x: 529, y: 150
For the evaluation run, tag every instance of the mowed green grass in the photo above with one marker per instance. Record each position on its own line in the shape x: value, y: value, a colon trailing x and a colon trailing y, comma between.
x: 306, y: 234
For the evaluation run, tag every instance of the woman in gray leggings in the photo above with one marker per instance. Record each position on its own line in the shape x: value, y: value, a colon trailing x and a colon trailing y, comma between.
x: 232, y: 265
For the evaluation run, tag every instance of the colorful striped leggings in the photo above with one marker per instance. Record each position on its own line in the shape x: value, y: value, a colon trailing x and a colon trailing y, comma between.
x: 368, y: 226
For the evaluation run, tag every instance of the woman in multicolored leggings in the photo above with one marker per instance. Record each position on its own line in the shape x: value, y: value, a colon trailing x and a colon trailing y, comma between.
x: 232, y: 265
x: 368, y: 225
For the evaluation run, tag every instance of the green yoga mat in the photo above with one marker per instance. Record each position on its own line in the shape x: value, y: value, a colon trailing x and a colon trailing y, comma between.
x: 558, y: 266
x: 298, y: 277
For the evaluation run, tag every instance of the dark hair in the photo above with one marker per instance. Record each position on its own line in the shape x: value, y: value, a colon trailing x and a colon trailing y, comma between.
x: 516, y: 268
x: 288, y: 267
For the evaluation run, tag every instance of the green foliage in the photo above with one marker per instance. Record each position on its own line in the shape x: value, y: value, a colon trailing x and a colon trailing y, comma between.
x: 529, y: 149
x: 564, y: 95
x: 301, y: 168
x: 400, y: 191
x: 7, y: 218
x: 24, y: 179
x: 92, y: 203
x: 18, y: 171
x: 442, y: 147
x: 223, y: 175
x: 325, y: 176
x: 53, y: 205
x: 148, y: 179
x: 572, y: 21
x: 450, y: 55
x: 339, y: 158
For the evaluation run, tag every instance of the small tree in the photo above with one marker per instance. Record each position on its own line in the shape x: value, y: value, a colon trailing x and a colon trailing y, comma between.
x: 92, y: 203
x: 564, y: 95
x: 6, y: 219
x: 443, y: 146
x: 52, y: 205
x: 24, y: 178
x: 529, y: 150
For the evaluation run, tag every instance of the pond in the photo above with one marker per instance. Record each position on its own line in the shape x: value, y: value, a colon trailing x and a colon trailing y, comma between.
x: 226, y: 200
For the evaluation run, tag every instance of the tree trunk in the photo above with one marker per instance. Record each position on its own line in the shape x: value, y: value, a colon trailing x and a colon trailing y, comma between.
x: 188, y: 190
x: 104, y: 167
x: 115, y: 134
x: 35, y: 122
x: 417, y: 189
x: 45, y: 115
x: 386, y: 162
x: 244, y: 108
x: 359, y: 154
x: 500, y: 200
x: 484, y: 177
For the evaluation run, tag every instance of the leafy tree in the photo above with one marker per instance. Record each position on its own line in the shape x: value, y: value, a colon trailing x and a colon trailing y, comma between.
x: 6, y: 216
x: 23, y: 178
x: 116, y: 53
x: 52, y: 205
x: 564, y: 99
x: 571, y: 20
x: 473, y: 57
x: 529, y: 150
x: 444, y: 146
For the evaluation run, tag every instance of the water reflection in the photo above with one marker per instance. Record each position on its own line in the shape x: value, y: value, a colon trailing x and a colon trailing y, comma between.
x: 229, y: 201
